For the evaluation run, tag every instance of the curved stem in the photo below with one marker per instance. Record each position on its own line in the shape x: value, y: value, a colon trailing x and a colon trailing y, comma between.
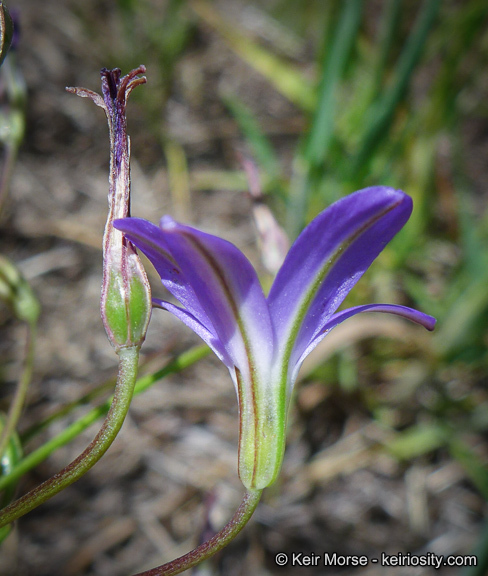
x: 241, y: 517
x: 128, y: 362
x: 21, y: 392
x: 33, y: 459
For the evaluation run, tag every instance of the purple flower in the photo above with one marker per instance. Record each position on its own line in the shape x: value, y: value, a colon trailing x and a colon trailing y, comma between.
x: 264, y: 340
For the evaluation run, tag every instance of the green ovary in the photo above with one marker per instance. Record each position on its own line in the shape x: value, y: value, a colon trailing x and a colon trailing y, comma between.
x: 261, y: 442
x: 140, y: 310
x: 126, y: 316
x: 115, y: 311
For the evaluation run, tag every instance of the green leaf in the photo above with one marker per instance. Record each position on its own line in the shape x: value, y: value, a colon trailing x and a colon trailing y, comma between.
x: 379, y: 119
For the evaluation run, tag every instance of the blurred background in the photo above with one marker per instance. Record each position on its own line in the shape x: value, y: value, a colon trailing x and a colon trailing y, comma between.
x: 387, y: 434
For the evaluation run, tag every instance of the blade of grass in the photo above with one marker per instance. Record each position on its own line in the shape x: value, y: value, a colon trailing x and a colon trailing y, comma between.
x: 333, y: 66
x: 308, y: 167
x: 15, y: 410
x: 379, y: 121
x: 235, y: 181
x: 476, y: 470
x: 8, y: 460
x: 457, y: 326
x: 456, y: 36
x: 416, y: 440
x: 388, y: 31
x: 179, y: 180
x: 481, y: 554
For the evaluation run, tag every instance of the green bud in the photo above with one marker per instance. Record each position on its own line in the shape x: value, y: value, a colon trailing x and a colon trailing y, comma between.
x: 126, y: 294
x: 126, y: 299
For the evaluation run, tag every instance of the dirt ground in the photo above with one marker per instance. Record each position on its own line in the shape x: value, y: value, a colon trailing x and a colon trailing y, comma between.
x: 172, y: 470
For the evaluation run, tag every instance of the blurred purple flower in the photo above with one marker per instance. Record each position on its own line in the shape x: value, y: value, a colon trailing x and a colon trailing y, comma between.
x: 264, y: 340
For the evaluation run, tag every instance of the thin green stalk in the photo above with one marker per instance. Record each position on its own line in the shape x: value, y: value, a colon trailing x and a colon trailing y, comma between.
x: 216, y: 543
x: 43, y: 452
x: 128, y: 364
x: 15, y: 409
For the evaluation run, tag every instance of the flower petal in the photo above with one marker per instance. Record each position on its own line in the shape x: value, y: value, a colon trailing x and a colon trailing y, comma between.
x: 327, y: 260
x: 150, y: 239
x: 209, y: 274
x: 207, y: 335
x: 409, y: 313
x: 215, y: 283
x: 228, y: 288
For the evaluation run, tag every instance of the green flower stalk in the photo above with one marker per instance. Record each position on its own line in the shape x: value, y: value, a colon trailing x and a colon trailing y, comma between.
x: 126, y: 296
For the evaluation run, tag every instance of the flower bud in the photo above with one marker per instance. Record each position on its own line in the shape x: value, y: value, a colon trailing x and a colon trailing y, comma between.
x: 126, y: 295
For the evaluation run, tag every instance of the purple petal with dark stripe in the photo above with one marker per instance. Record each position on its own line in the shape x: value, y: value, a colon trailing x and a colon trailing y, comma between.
x: 404, y: 311
x: 215, y: 283
x: 228, y: 288
x: 150, y: 240
x: 206, y: 334
x: 327, y: 260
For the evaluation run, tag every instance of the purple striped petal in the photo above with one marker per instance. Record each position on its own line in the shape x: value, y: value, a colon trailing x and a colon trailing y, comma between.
x: 327, y: 260
x: 228, y: 288
x: 150, y: 240
x: 409, y: 313
x: 216, y: 284
x: 206, y: 334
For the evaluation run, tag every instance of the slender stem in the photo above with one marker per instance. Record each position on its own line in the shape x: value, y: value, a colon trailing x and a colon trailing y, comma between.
x: 66, y: 435
x: 8, y: 166
x: 128, y: 362
x: 210, y: 547
x: 15, y: 409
